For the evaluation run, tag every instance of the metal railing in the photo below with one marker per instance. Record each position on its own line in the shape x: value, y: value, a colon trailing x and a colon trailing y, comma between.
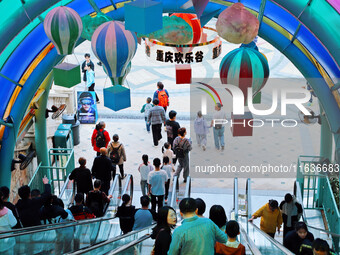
x: 248, y: 198
x: 316, y: 192
x: 188, y: 187
x: 61, y: 163
x: 235, y: 198
x: 174, y: 194
x: 128, y: 187
x: 335, y: 236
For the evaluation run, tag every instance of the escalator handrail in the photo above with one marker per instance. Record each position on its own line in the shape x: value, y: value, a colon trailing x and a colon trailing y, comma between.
x: 248, y: 197
x: 188, y: 187
x: 298, y: 195
x: 48, y: 227
x: 175, y: 190
x: 129, y: 245
x: 64, y: 186
x: 272, y: 240
x: 235, y: 199
x: 251, y: 245
x: 116, y: 180
x: 128, y: 182
x: 114, y: 239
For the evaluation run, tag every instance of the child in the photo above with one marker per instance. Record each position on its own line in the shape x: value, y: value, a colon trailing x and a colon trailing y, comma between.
x: 201, y: 130
x: 144, y: 170
x: 167, y: 152
x: 146, y: 108
x: 232, y: 246
x: 167, y: 168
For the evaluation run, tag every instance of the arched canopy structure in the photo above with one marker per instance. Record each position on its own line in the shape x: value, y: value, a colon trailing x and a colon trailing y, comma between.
x: 306, y: 32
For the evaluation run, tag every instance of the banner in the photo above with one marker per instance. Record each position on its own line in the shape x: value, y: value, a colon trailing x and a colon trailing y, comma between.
x: 87, y: 108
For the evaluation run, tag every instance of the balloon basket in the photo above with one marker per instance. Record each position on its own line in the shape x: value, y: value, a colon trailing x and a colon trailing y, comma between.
x: 117, y: 97
x: 143, y: 16
x: 66, y: 75
x: 242, y: 125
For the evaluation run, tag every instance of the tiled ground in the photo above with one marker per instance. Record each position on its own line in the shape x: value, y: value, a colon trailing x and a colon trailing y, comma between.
x: 272, y: 145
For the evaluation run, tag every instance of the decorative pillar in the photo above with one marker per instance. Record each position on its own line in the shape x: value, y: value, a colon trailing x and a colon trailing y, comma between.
x: 40, y: 123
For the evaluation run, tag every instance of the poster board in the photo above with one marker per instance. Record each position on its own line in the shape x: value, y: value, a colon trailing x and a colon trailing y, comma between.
x: 86, y: 107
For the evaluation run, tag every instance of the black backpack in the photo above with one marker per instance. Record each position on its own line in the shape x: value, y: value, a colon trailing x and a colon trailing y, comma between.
x: 114, y: 155
x: 179, y: 149
x: 100, y: 139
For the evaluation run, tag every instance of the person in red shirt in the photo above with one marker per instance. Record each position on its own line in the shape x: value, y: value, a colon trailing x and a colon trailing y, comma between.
x: 100, y: 137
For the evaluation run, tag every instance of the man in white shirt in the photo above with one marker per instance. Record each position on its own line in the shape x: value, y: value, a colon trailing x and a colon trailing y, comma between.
x: 218, y: 129
x: 156, y: 181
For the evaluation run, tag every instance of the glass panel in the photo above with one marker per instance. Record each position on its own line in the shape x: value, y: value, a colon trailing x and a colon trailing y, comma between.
x: 109, y: 246
x: 262, y: 243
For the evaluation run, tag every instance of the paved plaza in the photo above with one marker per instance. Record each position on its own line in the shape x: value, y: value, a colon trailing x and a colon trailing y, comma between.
x: 267, y: 145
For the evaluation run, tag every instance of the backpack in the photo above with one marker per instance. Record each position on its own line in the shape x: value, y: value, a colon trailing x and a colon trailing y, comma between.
x: 179, y: 150
x: 100, y: 139
x: 114, y: 155
x: 169, y: 131
x: 163, y: 98
x: 84, y: 215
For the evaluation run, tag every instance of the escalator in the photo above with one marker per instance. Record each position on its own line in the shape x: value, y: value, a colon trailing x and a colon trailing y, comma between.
x: 139, y: 241
x: 71, y: 236
x: 263, y: 242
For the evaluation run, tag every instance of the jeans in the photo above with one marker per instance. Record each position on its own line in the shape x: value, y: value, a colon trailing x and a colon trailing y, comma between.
x: 219, y: 137
x: 201, y: 139
x: 167, y: 185
x: 91, y: 88
x: 147, y: 125
x: 183, y: 164
x: 156, y: 200
x: 144, y: 187
x: 121, y: 169
x: 156, y: 133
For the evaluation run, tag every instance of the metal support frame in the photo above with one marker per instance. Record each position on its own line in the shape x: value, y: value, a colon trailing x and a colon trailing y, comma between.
x: 261, y: 12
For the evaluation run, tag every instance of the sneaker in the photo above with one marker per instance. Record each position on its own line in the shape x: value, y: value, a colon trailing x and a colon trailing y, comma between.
x: 203, y: 147
x: 222, y: 148
x: 217, y: 149
x: 123, y: 177
x: 156, y: 146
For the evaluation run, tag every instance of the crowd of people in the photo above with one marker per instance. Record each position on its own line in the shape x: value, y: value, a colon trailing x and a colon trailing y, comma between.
x: 195, y: 235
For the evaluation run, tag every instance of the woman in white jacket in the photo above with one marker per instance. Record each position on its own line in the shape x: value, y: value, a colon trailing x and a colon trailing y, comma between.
x: 7, y: 221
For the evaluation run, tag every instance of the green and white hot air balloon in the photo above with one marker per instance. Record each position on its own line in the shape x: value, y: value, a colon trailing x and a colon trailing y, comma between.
x: 63, y: 26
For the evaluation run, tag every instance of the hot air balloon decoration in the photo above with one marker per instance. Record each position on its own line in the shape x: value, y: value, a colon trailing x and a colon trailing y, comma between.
x: 63, y: 26
x: 237, y: 25
x: 245, y: 67
x: 115, y: 47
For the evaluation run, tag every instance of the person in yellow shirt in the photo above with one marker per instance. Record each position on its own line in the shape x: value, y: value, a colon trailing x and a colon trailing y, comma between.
x: 271, y: 217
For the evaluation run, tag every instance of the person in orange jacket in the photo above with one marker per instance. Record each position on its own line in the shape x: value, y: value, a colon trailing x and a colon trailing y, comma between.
x: 271, y: 217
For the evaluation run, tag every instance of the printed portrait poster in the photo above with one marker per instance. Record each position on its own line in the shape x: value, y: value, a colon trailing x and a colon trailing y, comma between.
x: 87, y: 108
